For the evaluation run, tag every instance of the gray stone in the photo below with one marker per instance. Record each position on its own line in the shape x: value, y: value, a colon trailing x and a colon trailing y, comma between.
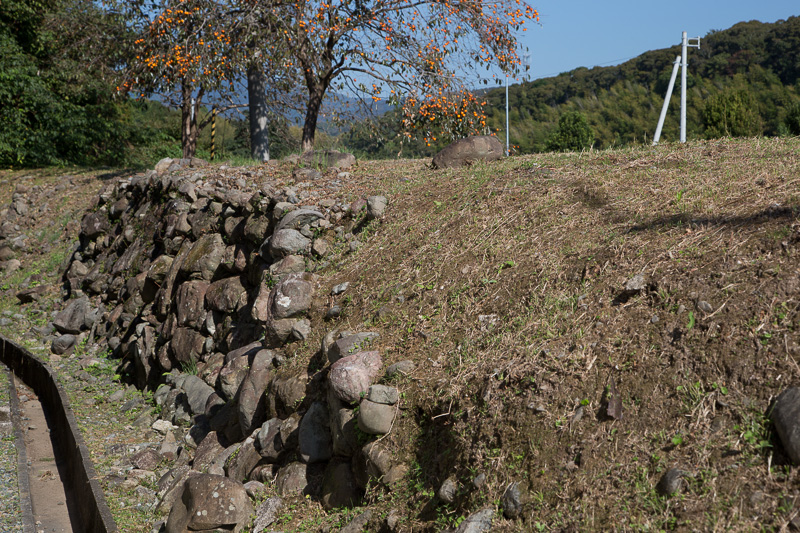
x: 358, y: 524
x: 226, y: 295
x: 343, y: 430
x: 187, y: 346
x: 351, y: 376
x: 293, y: 297
x: 286, y: 393
x: 377, y: 460
x: 286, y: 242
x: 190, y: 300
x: 207, y: 451
x: 62, y: 344
x: 146, y: 459
x: 95, y: 224
x: 401, y: 368
x: 468, y: 151
x: 705, y: 307
x: 448, y: 491
x: 320, y: 247
x: 340, y: 288
x: 351, y: 344
x: 72, y: 318
x: 267, y: 513
x: 252, y: 403
x: 328, y: 159
x: 375, y: 418
x: 241, y: 463
x: 383, y: 394
x: 197, y: 393
x: 477, y: 522
x: 291, y: 264
x: 670, y: 482
x: 231, y: 376
x: 204, y: 257
x: 511, y: 503
x: 291, y: 480
x: 786, y: 416
x: 298, y: 218
x: 268, y: 440
x: 376, y: 207
x: 209, y: 502
x: 255, y: 489
x: 636, y: 284
x: 316, y: 444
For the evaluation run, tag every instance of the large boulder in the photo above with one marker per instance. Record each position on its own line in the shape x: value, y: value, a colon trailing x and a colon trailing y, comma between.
x: 252, y: 403
x: 328, y: 159
x: 351, y: 344
x: 468, y: 151
x: 210, y: 501
x: 226, y: 295
x: 786, y: 416
x: 204, y: 257
x: 293, y: 297
x: 298, y: 218
x: 351, y: 376
x: 316, y: 444
x: 72, y: 318
x: 190, y: 303
x: 285, y: 242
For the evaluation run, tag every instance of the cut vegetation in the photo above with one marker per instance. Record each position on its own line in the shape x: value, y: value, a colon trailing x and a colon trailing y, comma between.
x: 597, y: 338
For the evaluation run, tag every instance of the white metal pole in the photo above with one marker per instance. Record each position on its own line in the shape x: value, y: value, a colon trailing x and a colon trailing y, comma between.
x: 683, y: 87
x: 508, y: 148
x: 663, y: 116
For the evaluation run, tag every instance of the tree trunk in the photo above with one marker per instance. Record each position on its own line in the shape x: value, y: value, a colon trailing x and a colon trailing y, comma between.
x: 315, y: 95
x: 188, y: 121
x: 257, y: 102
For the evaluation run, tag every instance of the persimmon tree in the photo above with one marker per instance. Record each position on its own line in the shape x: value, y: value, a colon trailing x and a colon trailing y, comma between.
x: 183, y: 51
x: 406, y: 50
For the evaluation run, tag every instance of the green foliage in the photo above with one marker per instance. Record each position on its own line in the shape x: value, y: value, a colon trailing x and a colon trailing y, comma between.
x: 731, y: 114
x: 792, y: 120
x: 54, y: 108
x: 622, y: 102
x: 573, y: 133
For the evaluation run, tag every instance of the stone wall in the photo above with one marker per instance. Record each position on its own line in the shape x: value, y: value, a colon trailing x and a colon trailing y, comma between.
x: 200, y: 281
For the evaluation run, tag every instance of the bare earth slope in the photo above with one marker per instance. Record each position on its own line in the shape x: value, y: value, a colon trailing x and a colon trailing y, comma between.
x: 532, y: 294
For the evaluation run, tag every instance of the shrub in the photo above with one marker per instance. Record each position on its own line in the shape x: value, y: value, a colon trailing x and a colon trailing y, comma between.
x: 573, y: 133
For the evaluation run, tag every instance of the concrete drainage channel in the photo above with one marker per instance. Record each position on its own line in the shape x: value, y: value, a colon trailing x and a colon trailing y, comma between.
x: 77, y: 502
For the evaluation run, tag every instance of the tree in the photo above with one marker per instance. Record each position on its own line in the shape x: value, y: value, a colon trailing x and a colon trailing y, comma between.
x: 731, y: 113
x: 410, y: 48
x: 573, y: 133
x: 184, y: 51
x: 56, y: 66
x: 792, y: 121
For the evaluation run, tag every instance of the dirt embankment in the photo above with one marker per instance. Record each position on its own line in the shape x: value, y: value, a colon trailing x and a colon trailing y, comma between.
x: 530, y: 295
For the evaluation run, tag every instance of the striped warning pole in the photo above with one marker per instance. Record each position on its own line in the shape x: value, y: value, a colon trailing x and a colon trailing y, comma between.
x: 213, y: 133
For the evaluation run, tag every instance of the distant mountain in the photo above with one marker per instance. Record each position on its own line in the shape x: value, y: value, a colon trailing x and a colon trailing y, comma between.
x: 752, y: 66
x: 623, y: 102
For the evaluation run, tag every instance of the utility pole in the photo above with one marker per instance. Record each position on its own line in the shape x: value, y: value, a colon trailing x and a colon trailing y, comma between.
x: 684, y: 65
x: 661, y: 118
x: 681, y: 62
x: 508, y: 148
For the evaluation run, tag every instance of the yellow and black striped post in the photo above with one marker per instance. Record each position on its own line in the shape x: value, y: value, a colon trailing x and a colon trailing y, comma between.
x: 213, y: 133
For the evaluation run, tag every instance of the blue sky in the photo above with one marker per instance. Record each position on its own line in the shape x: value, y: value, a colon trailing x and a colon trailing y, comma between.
x: 587, y: 33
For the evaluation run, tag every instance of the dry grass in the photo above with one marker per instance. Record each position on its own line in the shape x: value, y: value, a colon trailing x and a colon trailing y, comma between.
x: 505, y: 284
